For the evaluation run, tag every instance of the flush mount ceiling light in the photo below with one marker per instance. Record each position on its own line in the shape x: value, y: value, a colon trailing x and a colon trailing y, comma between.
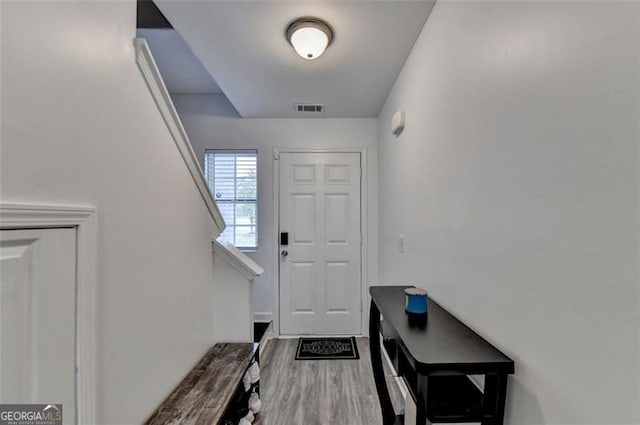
x: 309, y: 37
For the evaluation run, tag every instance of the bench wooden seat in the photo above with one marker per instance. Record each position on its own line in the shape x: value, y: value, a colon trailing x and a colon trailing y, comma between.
x: 204, y: 394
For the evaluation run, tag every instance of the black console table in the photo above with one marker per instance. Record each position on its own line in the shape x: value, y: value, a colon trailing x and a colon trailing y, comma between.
x: 434, y: 362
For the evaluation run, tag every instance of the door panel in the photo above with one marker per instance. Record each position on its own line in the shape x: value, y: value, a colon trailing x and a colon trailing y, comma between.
x: 16, y: 300
x: 302, y: 289
x: 303, y: 211
x: 337, y: 293
x: 320, y: 282
x: 303, y: 174
x: 336, y: 174
x: 337, y: 212
x: 37, y: 317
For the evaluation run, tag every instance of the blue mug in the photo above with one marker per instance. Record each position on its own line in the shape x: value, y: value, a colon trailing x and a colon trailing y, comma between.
x: 415, y: 301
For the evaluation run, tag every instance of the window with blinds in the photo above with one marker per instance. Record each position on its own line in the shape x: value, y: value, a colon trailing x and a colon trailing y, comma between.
x: 232, y: 178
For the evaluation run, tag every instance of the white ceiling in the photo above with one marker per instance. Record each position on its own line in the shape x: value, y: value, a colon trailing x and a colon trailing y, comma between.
x: 242, y: 44
x: 181, y: 70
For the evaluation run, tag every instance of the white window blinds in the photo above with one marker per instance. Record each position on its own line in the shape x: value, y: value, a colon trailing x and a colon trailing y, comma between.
x: 232, y: 178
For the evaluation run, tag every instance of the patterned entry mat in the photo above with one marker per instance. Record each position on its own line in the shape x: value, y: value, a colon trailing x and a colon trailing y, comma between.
x: 327, y: 349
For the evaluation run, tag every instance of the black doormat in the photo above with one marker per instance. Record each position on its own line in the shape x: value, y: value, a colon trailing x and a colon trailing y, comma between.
x: 327, y: 349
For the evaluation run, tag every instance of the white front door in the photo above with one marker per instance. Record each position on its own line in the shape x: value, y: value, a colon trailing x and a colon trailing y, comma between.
x: 37, y: 317
x: 319, y: 208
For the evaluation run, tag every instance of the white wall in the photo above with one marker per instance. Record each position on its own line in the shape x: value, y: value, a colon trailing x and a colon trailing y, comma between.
x: 208, y: 131
x: 234, y: 272
x: 232, y: 310
x: 80, y: 127
x: 516, y: 185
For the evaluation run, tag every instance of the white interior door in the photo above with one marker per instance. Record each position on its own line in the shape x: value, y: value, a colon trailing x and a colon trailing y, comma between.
x: 37, y: 317
x: 319, y: 208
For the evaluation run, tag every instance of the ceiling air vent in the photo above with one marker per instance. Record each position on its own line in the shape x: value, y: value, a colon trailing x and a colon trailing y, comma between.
x: 309, y: 107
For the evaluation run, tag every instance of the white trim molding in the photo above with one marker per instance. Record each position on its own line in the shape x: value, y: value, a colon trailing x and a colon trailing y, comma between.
x: 152, y: 77
x: 84, y: 219
x: 27, y: 215
x: 262, y: 316
x: 237, y: 259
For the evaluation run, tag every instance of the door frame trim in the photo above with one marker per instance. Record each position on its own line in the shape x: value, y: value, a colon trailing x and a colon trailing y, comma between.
x: 364, y: 226
x: 84, y: 220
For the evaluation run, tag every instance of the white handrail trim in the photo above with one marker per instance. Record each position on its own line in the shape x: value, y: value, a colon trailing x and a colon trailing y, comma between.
x: 151, y: 75
x: 238, y: 259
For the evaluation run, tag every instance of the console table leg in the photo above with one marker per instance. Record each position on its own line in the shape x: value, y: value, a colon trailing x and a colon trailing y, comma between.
x: 388, y: 414
x: 422, y: 387
x: 493, y: 400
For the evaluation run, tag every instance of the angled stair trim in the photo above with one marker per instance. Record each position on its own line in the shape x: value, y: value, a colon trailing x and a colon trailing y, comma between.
x: 238, y: 259
x: 151, y: 75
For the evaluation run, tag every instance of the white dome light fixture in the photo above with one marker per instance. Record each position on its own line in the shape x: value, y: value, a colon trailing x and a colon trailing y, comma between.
x: 309, y: 37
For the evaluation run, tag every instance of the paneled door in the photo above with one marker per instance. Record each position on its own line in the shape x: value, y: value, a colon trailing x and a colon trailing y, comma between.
x: 320, y: 275
x: 37, y: 318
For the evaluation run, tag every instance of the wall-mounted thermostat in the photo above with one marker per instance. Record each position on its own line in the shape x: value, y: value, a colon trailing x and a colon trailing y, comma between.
x: 397, y: 123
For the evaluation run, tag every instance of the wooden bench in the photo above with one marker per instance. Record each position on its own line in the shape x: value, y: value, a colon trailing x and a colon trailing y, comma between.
x: 205, y: 395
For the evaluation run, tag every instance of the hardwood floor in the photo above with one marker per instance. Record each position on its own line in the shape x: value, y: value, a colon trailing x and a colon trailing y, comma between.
x: 316, y: 392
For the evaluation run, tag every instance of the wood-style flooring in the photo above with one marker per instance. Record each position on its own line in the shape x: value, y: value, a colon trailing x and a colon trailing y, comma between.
x: 317, y: 392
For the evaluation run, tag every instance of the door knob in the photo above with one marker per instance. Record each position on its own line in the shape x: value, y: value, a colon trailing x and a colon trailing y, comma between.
x: 284, y: 253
